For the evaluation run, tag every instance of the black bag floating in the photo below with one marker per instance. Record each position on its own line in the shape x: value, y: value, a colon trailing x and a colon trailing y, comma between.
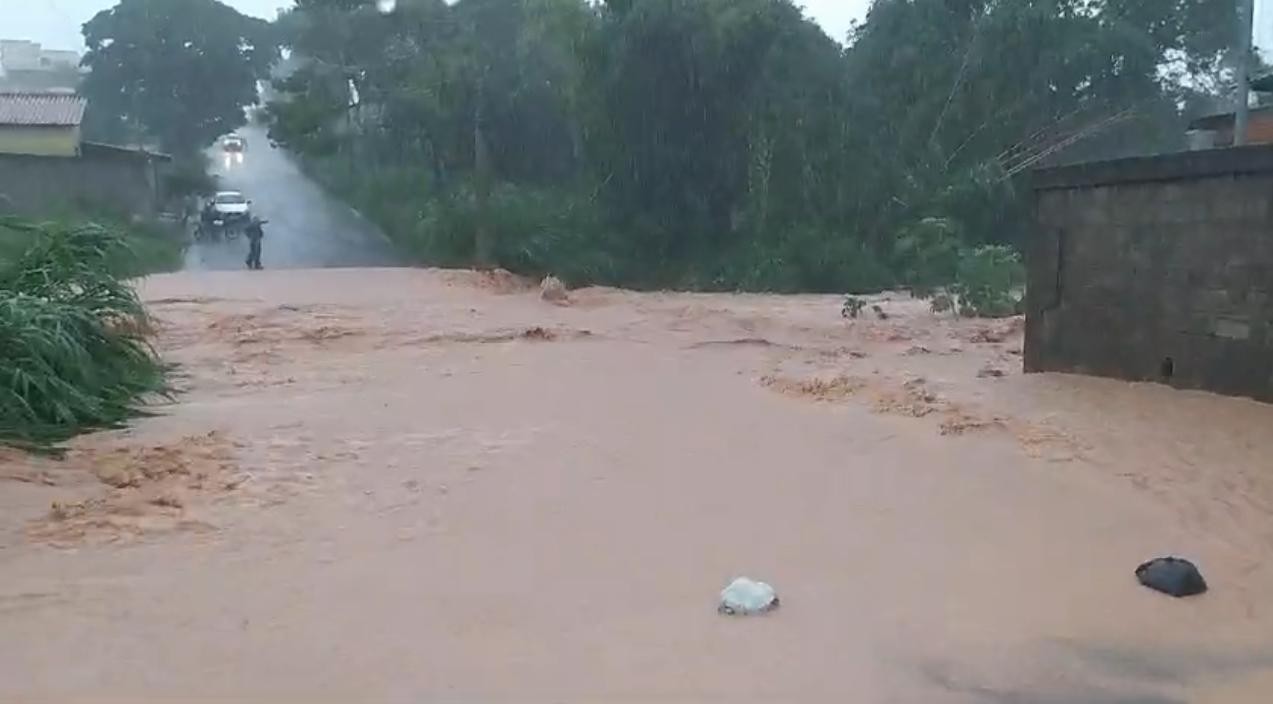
x: 1172, y: 575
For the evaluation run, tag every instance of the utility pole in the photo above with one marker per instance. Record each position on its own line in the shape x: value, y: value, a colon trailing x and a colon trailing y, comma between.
x: 1246, y: 26
x: 483, y: 238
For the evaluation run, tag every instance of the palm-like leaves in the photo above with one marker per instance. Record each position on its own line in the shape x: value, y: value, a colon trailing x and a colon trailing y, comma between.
x: 72, y: 352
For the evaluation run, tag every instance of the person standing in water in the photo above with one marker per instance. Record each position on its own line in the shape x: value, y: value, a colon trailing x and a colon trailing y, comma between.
x: 254, y: 234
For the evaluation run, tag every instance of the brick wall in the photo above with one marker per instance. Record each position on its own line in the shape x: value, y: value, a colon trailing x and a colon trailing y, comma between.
x: 1259, y: 130
x: 1156, y: 269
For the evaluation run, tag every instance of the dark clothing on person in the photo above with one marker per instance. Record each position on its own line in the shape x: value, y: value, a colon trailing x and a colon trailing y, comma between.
x: 254, y: 234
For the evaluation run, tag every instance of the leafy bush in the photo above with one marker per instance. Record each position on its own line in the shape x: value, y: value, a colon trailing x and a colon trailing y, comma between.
x: 989, y: 282
x: 542, y: 231
x: 73, y: 355
x: 804, y: 259
x: 536, y: 231
x: 143, y: 247
x: 146, y: 248
x: 927, y: 254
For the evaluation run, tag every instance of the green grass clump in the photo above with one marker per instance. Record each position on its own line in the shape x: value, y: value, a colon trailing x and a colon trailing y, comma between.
x: 73, y: 348
x: 147, y: 247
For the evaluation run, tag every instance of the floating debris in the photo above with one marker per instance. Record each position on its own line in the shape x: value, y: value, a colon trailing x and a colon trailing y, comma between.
x: 1172, y: 575
x: 747, y: 597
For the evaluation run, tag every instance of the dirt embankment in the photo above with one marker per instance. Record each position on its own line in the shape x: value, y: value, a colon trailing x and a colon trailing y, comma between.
x: 405, y: 484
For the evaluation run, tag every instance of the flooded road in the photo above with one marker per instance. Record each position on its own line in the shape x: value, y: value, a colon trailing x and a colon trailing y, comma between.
x: 307, y: 227
x: 407, y: 485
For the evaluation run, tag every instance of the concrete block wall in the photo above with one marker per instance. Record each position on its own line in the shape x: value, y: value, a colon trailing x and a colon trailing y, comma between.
x: 1156, y: 269
x: 39, y: 185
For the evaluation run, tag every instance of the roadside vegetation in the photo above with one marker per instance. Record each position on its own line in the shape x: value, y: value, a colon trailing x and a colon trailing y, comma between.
x: 732, y: 144
x: 74, y: 355
x: 144, y: 247
x: 73, y: 348
x: 699, y: 144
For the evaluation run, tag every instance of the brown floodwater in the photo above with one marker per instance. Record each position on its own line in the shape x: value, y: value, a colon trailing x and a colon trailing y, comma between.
x: 417, y: 486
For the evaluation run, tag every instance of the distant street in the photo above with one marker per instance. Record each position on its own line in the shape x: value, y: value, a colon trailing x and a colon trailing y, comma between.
x: 307, y: 228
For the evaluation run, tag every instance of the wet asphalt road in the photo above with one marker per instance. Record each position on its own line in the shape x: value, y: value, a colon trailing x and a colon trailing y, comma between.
x: 307, y: 227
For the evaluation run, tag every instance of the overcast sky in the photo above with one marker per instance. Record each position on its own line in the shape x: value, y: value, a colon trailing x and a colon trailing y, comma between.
x: 56, y: 23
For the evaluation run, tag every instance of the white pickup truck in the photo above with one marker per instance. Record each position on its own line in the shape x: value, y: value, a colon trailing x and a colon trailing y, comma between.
x: 231, y: 206
x: 226, y: 213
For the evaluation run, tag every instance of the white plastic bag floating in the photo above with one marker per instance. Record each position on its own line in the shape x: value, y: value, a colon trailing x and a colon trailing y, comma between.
x: 745, y: 597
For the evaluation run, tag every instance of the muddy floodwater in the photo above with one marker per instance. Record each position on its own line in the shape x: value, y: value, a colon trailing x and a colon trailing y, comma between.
x: 405, y: 485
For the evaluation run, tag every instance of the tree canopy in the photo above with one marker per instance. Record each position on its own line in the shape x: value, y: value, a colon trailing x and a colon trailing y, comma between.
x: 730, y: 143
x: 179, y: 72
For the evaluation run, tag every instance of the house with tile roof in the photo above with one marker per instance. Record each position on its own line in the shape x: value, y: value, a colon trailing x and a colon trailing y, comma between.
x: 41, y: 124
x: 45, y: 164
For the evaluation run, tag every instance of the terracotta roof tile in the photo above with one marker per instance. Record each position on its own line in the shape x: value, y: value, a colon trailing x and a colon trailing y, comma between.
x: 41, y: 109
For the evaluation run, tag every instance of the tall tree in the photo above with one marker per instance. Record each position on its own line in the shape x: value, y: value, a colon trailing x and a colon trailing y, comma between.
x: 179, y: 72
x: 731, y: 142
x: 482, y: 91
x: 955, y: 97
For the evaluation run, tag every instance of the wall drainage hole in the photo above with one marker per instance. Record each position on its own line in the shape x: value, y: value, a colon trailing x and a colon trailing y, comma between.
x: 1168, y: 368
